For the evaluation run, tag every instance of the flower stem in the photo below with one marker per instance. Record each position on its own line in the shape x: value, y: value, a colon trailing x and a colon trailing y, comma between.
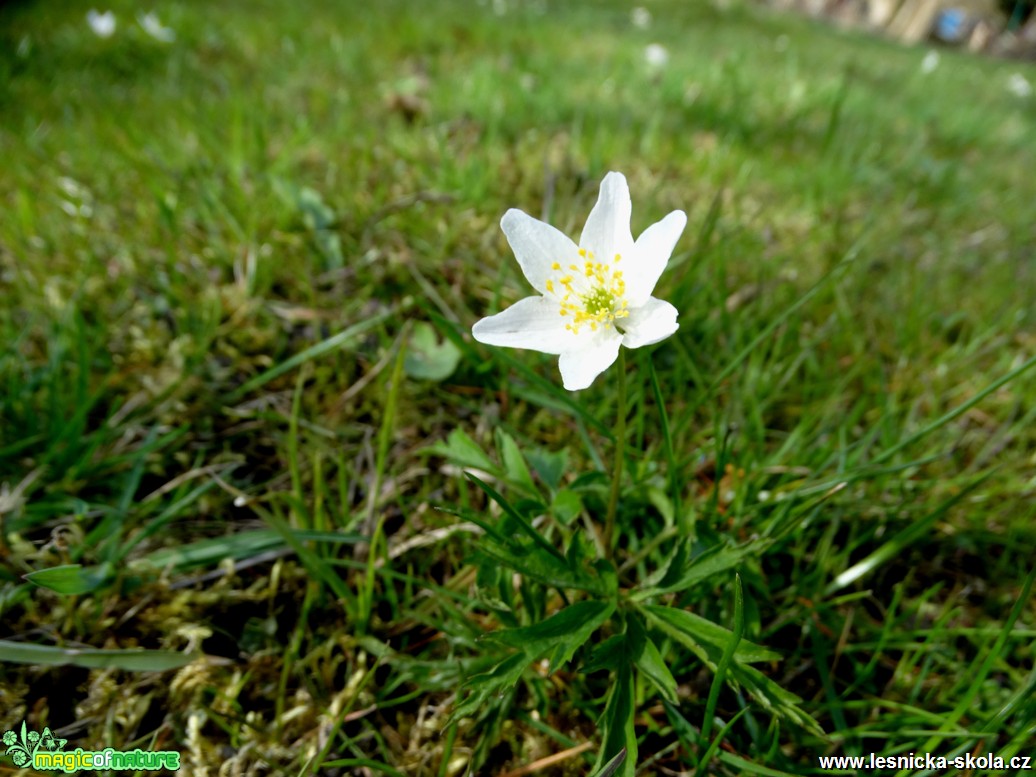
x: 620, y: 449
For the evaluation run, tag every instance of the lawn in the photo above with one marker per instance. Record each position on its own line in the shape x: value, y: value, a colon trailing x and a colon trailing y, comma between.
x: 266, y: 502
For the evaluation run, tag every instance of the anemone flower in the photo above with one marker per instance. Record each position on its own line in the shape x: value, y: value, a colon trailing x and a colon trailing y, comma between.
x: 593, y: 297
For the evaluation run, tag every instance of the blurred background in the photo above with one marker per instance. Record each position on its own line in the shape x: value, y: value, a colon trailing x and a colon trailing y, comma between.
x: 997, y: 27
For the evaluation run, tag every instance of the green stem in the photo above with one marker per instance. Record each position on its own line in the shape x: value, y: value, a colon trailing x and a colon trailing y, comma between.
x: 620, y: 449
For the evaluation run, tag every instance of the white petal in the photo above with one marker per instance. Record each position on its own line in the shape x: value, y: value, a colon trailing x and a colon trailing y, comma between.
x: 536, y: 245
x: 595, y: 354
x: 533, y: 322
x: 650, y: 256
x: 653, y: 321
x: 607, y: 230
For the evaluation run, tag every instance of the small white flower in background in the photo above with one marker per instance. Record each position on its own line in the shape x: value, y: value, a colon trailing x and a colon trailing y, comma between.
x: 154, y: 28
x: 656, y: 55
x: 930, y: 62
x: 103, y: 24
x: 595, y: 296
x: 641, y: 18
x: 1019, y: 86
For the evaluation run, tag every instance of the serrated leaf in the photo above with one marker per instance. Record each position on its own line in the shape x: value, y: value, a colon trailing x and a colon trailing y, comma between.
x: 72, y: 579
x: 482, y: 686
x: 428, y: 358
x: 567, y: 506
x: 563, y: 633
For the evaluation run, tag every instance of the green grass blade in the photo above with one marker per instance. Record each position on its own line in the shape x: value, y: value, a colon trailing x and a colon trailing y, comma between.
x: 725, y: 661
x: 127, y: 660
x: 323, y: 348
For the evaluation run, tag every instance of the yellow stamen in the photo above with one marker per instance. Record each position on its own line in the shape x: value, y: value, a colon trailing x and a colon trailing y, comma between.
x: 595, y: 298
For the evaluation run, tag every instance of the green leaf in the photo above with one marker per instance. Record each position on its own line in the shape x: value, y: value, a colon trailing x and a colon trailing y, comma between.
x: 711, y: 634
x: 658, y: 499
x: 428, y: 358
x: 649, y: 660
x: 549, y: 465
x: 609, y: 577
x: 482, y: 687
x: 608, y: 654
x: 461, y: 450
x: 576, y: 554
x: 564, y: 632
x: 619, y: 734
x: 612, y: 766
x: 770, y: 695
x: 515, y: 468
x: 684, y: 571
x: 72, y: 579
x: 567, y: 506
x: 591, y: 481
x: 537, y: 564
x: 129, y: 660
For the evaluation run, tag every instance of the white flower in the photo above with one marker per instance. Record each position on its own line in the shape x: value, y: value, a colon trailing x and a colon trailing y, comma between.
x: 641, y: 18
x: 930, y: 62
x: 103, y: 24
x: 154, y: 28
x: 595, y: 296
x: 656, y: 55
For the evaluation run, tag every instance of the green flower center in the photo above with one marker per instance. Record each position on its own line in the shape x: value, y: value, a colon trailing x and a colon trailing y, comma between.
x: 593, y: 295
x: 600, y: 300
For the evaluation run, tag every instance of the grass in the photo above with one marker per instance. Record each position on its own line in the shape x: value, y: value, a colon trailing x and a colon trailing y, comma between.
x: 215, y: 259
